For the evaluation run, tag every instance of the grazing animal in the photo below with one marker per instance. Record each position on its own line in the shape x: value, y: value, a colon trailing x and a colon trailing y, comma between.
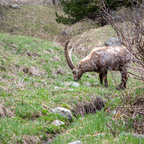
x: 100, y: 60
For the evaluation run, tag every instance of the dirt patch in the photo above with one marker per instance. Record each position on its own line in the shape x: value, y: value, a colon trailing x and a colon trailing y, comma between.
x: 92, y: 106
x: 30, y: 139
x: 5, y: 111
x: 27, y: 2
x: 32, y: 71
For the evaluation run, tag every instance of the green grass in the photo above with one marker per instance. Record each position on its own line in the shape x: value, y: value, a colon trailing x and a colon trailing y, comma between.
x: 31, y: 97
x: 93, y: 129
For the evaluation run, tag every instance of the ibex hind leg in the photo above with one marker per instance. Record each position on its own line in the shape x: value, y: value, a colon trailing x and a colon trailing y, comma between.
x: 105, y: 79
x: 124, y: 78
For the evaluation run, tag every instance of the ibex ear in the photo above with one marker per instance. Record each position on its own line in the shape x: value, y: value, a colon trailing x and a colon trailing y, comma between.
x: 79, y: 65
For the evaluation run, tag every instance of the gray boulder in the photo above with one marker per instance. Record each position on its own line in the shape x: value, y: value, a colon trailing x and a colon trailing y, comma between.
x: 114, y: 41
x: 63, y: 112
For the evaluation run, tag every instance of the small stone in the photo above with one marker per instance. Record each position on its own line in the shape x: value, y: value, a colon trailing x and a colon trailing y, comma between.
x: 114, y: 41
x: 63, y: 112
x: 15, y: 6
x: 96, y: 83
x: 56, y: 87
x: 75, y: 142
x: 58, y: 123
x: 75, y: 84
x: 87, y: 84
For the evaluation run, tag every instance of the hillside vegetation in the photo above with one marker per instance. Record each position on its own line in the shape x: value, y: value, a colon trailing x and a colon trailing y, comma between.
x: 34, y: 78
x: 30, y: 71
x: 39, y: 21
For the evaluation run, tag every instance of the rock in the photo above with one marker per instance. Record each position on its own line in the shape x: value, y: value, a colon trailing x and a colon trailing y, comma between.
x: 15, y: 6
x: 87, y: 84
x: 63, y: 112
x: 114, y: 41
x: 96, y: 83
x: 58, y: 123
x: 64, y: 33
x: 75, y: 84
x: 56, y: 87
x: 75, y: 142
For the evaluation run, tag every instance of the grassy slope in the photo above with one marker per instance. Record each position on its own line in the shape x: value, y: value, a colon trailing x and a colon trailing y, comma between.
x: 92, y: 129
x: 39, y: 21
x: 31, y: 96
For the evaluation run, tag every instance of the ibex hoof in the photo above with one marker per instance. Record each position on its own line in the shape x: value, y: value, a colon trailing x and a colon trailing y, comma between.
x: 120, y: 88
x: 106, y: 85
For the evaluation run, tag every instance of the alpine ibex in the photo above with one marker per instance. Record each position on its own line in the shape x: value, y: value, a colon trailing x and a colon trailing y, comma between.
x: 100, y: 60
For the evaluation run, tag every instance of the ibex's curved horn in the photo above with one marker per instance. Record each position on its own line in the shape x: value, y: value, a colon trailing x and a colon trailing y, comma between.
x: 68, y: 57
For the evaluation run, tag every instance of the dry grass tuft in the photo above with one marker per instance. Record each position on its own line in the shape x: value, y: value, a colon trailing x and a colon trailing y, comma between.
x: 5, y: 111
x: 132, y: 108
x: 92, y: 106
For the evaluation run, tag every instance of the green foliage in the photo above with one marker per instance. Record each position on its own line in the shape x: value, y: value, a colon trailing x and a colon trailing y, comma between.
x: 77, y: 10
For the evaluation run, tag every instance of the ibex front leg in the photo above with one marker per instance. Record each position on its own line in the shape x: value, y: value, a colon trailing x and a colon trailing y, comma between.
x: 103, y: 76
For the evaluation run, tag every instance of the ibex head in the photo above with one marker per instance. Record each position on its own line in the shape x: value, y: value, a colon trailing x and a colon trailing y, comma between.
x: 76, y: 70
